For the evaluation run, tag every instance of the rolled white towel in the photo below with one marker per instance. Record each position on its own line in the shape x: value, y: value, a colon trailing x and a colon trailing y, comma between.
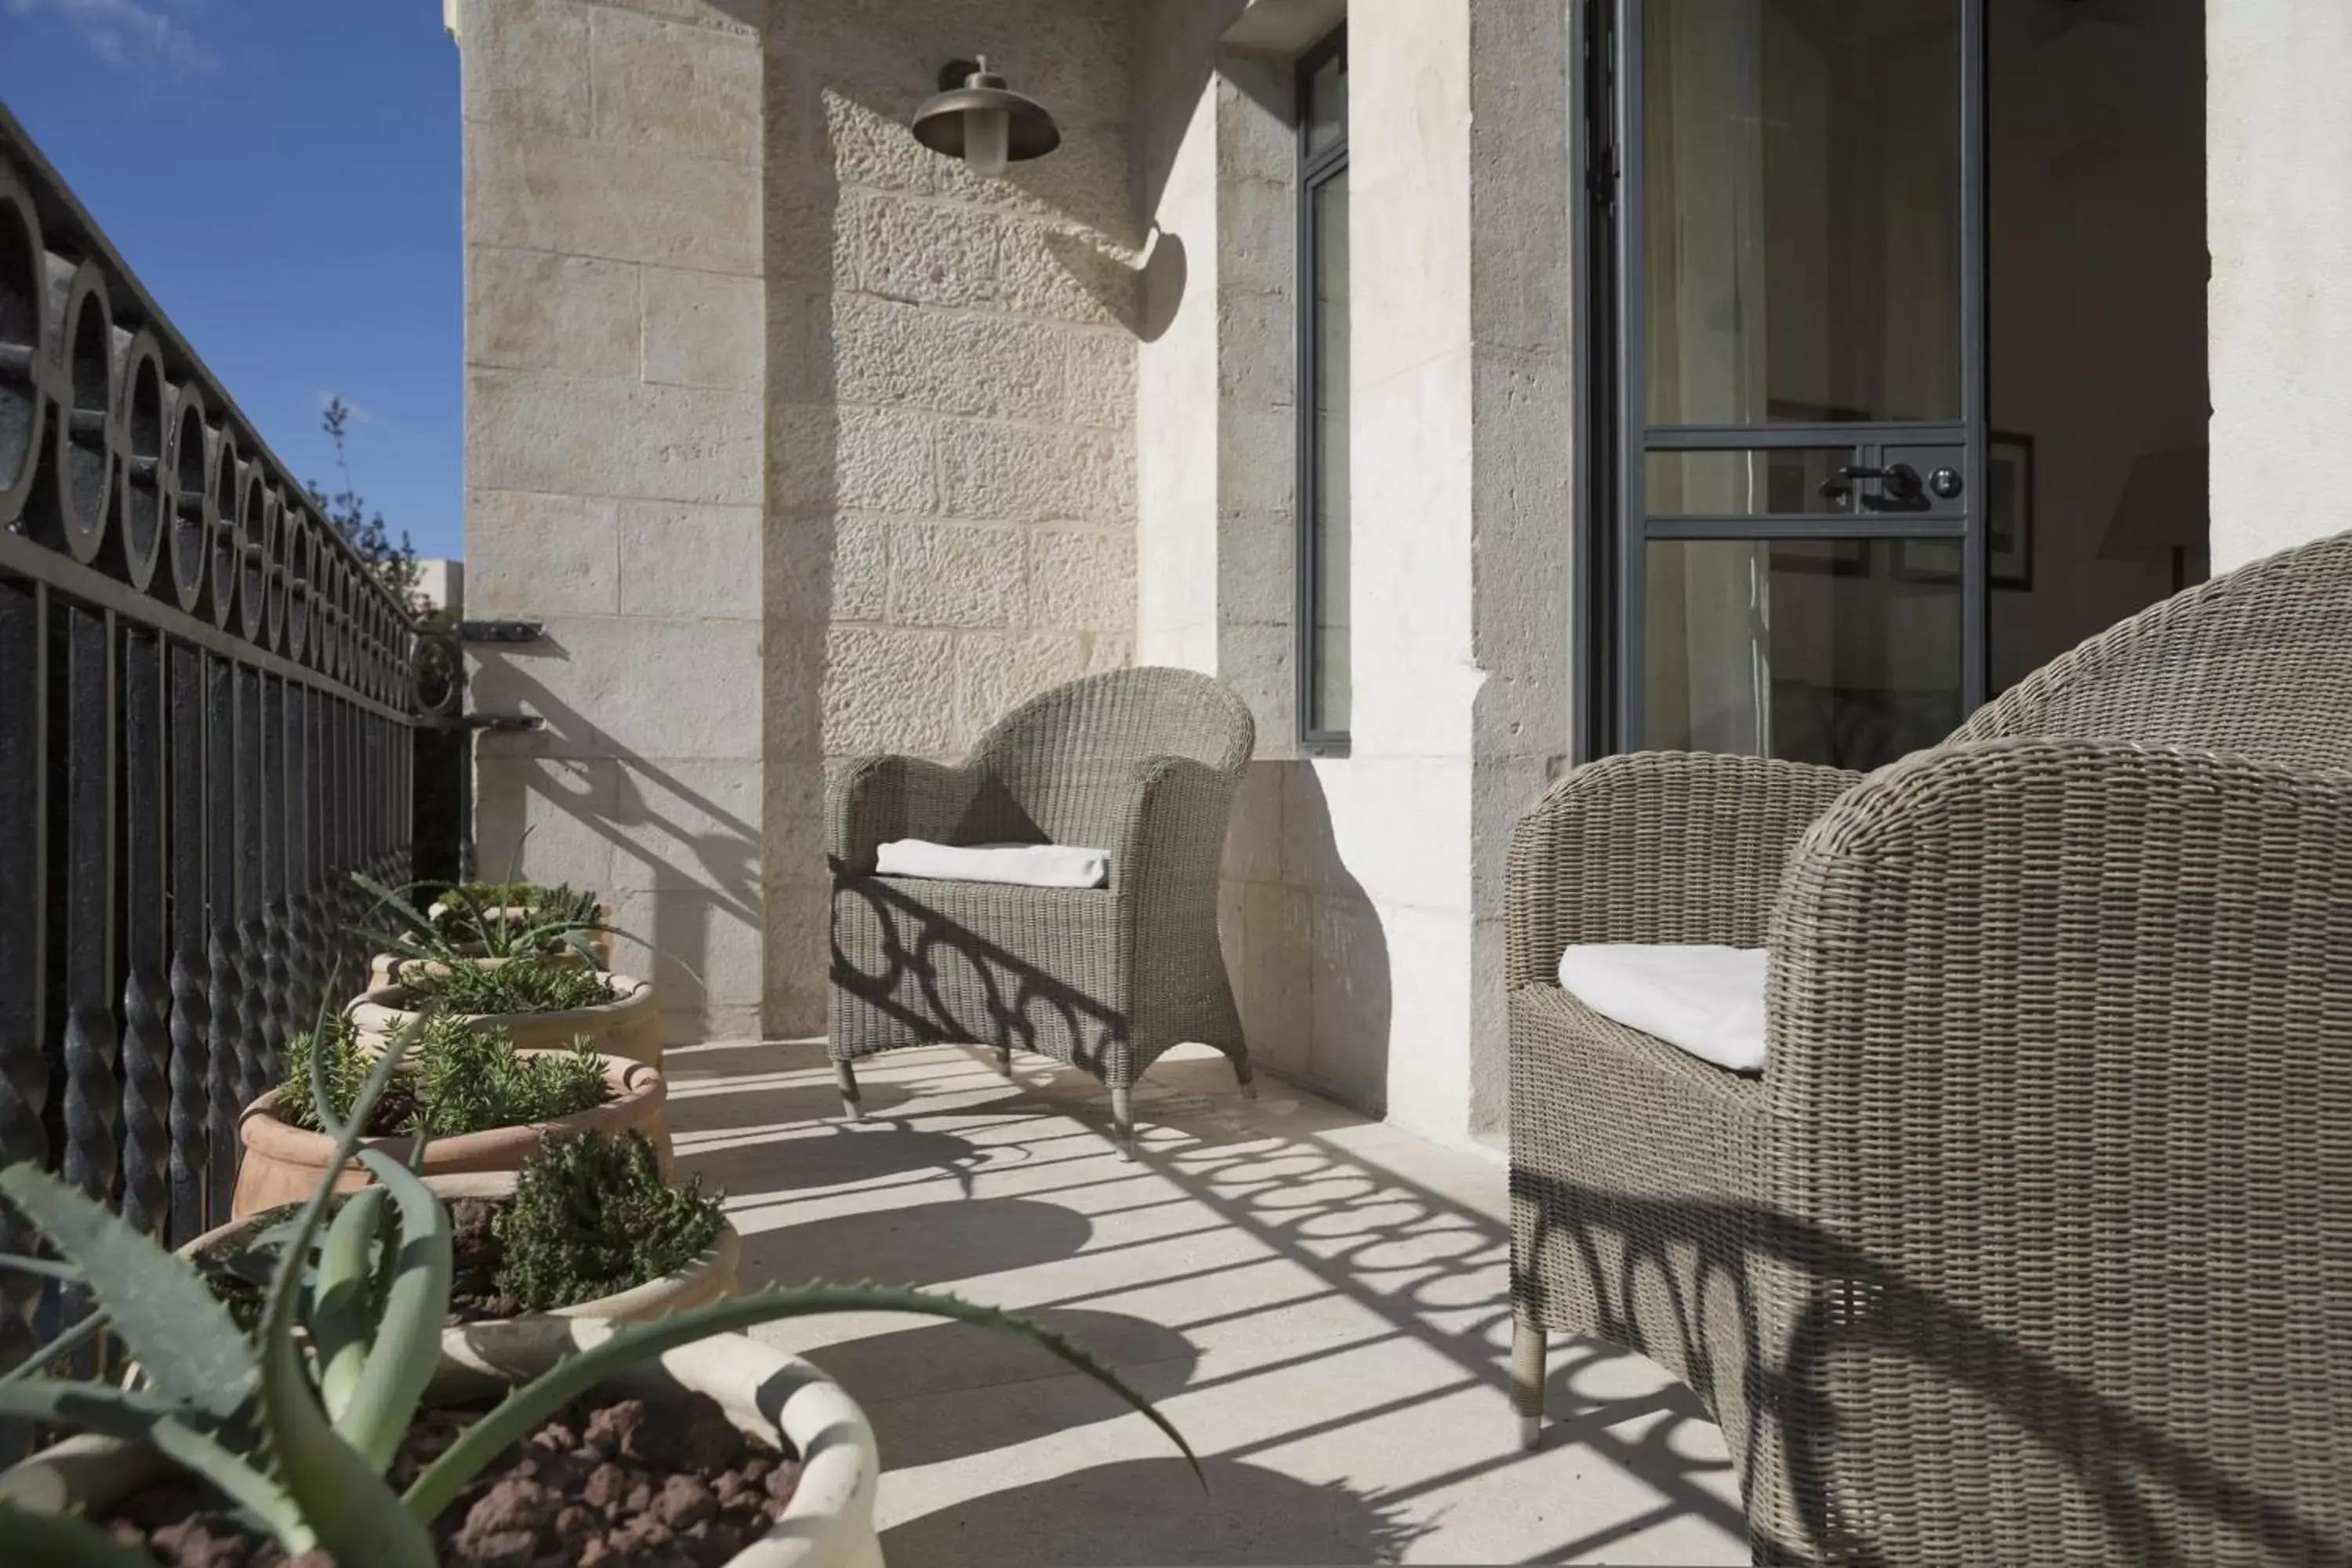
x: 1706, y: 999
x: 1013, y: 865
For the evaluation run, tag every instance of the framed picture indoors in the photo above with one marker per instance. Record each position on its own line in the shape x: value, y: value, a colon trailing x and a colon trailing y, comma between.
x: 2009, y: 520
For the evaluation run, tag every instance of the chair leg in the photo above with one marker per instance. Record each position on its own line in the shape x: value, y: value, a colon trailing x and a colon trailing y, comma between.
x: 847, y: 1077
x: 1123, y: 1119
x: 1004, y: 1060
x: 1245, y: 1078
x: 1528, y: 1347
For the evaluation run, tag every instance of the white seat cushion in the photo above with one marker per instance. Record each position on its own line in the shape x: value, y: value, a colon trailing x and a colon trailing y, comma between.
x: 1013, y: 865
x: 1707, y: 1000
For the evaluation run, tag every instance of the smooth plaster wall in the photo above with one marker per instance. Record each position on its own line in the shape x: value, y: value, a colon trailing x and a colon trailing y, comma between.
x: 614, y: 469
x: 1461, y: 464
x: 2279, y: 309
x: 951, y: 423
x: 1363, y: 900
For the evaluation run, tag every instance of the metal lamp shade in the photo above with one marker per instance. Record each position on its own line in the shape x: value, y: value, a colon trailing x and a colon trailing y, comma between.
x: 940, y: 123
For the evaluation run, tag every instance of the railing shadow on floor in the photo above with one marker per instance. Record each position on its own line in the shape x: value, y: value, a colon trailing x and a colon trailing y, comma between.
x: 2135, y: 1477
x: 1428, y: 1269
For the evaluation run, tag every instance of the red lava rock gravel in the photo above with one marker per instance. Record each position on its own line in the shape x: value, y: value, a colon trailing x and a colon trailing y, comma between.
x: 609, y: 1483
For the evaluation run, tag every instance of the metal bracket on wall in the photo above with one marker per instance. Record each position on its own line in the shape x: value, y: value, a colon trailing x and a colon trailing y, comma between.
x: 503, y: 723
x: 501, y: 631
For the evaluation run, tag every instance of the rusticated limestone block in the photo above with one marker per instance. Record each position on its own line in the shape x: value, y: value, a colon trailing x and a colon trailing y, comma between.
x: 1027, y: 473
x: 1082, y: 579
x: 890, y: 354
x: 883, y: 692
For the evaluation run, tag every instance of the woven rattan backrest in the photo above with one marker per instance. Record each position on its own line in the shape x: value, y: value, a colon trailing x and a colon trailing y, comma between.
x: 1062, y: 766
x: 2256, y: 662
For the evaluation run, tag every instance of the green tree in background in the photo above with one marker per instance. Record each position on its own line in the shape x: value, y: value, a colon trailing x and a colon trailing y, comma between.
x: 395, y: 561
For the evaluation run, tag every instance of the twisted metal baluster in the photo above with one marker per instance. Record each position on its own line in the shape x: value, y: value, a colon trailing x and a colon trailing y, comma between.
x: 298, y: 771
x: 191, y: 1018
x: 146, y: 1043
x: 24, y: 1068
x: 224, y: 1077
x: 254, y: 1064
x: 93, y: 1093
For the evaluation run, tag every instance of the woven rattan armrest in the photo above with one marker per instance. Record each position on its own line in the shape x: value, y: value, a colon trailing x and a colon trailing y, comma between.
x: 874, y: 800
x: 1657, y: 846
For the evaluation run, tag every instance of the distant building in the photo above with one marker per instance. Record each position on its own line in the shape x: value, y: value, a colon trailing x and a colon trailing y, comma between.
x: 441, y: 583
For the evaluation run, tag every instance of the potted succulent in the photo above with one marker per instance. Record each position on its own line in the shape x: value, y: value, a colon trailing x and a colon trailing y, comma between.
x: 539, y: 999
x: 481, y: 1102
x: 589, y: 1227
x: 487, y: 924
x: 333, y: 1426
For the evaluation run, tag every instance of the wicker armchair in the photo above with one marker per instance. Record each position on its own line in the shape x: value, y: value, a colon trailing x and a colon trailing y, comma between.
x: 2032, y: 1242
x: 1141, y: 763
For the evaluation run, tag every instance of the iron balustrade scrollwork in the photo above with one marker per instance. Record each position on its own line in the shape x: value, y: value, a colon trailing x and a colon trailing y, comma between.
x: 208, y: 701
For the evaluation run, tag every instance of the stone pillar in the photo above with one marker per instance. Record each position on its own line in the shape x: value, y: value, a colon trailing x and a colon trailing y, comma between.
x: 2279, y: 308
x: 613, y: 469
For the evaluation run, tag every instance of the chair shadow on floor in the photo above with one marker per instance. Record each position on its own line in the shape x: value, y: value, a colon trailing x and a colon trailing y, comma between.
x: 2135, y: 1487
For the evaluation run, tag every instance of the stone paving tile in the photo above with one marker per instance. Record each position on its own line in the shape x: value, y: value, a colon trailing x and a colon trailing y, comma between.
x: 1319, y: 1303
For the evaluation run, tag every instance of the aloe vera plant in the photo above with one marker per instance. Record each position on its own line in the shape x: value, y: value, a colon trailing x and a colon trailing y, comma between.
x: 297, y: 1423
x: 495, y: 931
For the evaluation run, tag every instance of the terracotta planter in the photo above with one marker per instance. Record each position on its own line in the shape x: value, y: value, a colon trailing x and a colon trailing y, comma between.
x: 707, y: 1279
x: 828, y: 1524
x: 283, y: 1162
x: 626, y: 1027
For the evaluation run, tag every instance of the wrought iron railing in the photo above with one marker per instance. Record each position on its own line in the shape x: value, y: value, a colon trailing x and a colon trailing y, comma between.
x: 207, y: 700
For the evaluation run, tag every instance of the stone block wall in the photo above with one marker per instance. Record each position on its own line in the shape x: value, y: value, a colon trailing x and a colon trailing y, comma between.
x: 950, y: 428
x: 614, y: 460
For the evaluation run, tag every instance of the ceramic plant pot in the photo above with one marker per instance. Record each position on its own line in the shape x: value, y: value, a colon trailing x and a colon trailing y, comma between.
x: 829, y: 1523
x: 281, y: 1162
x: 706, y: 1278
x: 626, y: 1026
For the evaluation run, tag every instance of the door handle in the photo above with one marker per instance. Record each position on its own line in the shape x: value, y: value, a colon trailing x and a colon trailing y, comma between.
x: 1898, y: 483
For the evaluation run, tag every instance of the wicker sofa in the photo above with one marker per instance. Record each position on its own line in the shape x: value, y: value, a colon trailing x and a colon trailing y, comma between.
x: 2032, y: 1241
x: 1141, y: 763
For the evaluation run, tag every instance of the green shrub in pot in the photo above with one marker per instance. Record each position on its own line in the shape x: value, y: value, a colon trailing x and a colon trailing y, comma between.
x: 297, y: 1422
x: 457, y: 1080
x: 592, y: 1216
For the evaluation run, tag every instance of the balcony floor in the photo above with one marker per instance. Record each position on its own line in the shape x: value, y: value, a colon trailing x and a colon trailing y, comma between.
x: 1321, y: 1303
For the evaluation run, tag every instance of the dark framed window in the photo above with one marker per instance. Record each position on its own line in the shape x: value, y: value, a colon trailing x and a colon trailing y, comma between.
x: 1323, y: 544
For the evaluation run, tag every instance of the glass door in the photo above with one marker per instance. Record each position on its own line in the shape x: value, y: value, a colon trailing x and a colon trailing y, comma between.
x: 1801, y: 561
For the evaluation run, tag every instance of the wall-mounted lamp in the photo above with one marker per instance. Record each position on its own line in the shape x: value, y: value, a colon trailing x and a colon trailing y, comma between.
x: 978, y: 119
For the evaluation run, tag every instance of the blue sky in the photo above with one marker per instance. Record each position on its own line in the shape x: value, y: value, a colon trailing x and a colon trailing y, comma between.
x: 283, y: 175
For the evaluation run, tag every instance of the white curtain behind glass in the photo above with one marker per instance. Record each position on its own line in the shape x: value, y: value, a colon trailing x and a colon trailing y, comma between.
x: 1710, y: 672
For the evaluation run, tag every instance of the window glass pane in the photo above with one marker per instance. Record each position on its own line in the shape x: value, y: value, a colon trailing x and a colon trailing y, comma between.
x: 1327, y: 103
x: 1764, y: 482
x: 1802, y: 208
x: 1844, y: 651
x: 1327, y: 452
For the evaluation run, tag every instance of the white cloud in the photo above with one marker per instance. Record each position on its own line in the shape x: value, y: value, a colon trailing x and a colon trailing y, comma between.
x: 127, y: 33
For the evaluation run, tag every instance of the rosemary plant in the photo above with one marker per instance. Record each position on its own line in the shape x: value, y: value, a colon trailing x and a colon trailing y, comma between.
x: 297, y: 1422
